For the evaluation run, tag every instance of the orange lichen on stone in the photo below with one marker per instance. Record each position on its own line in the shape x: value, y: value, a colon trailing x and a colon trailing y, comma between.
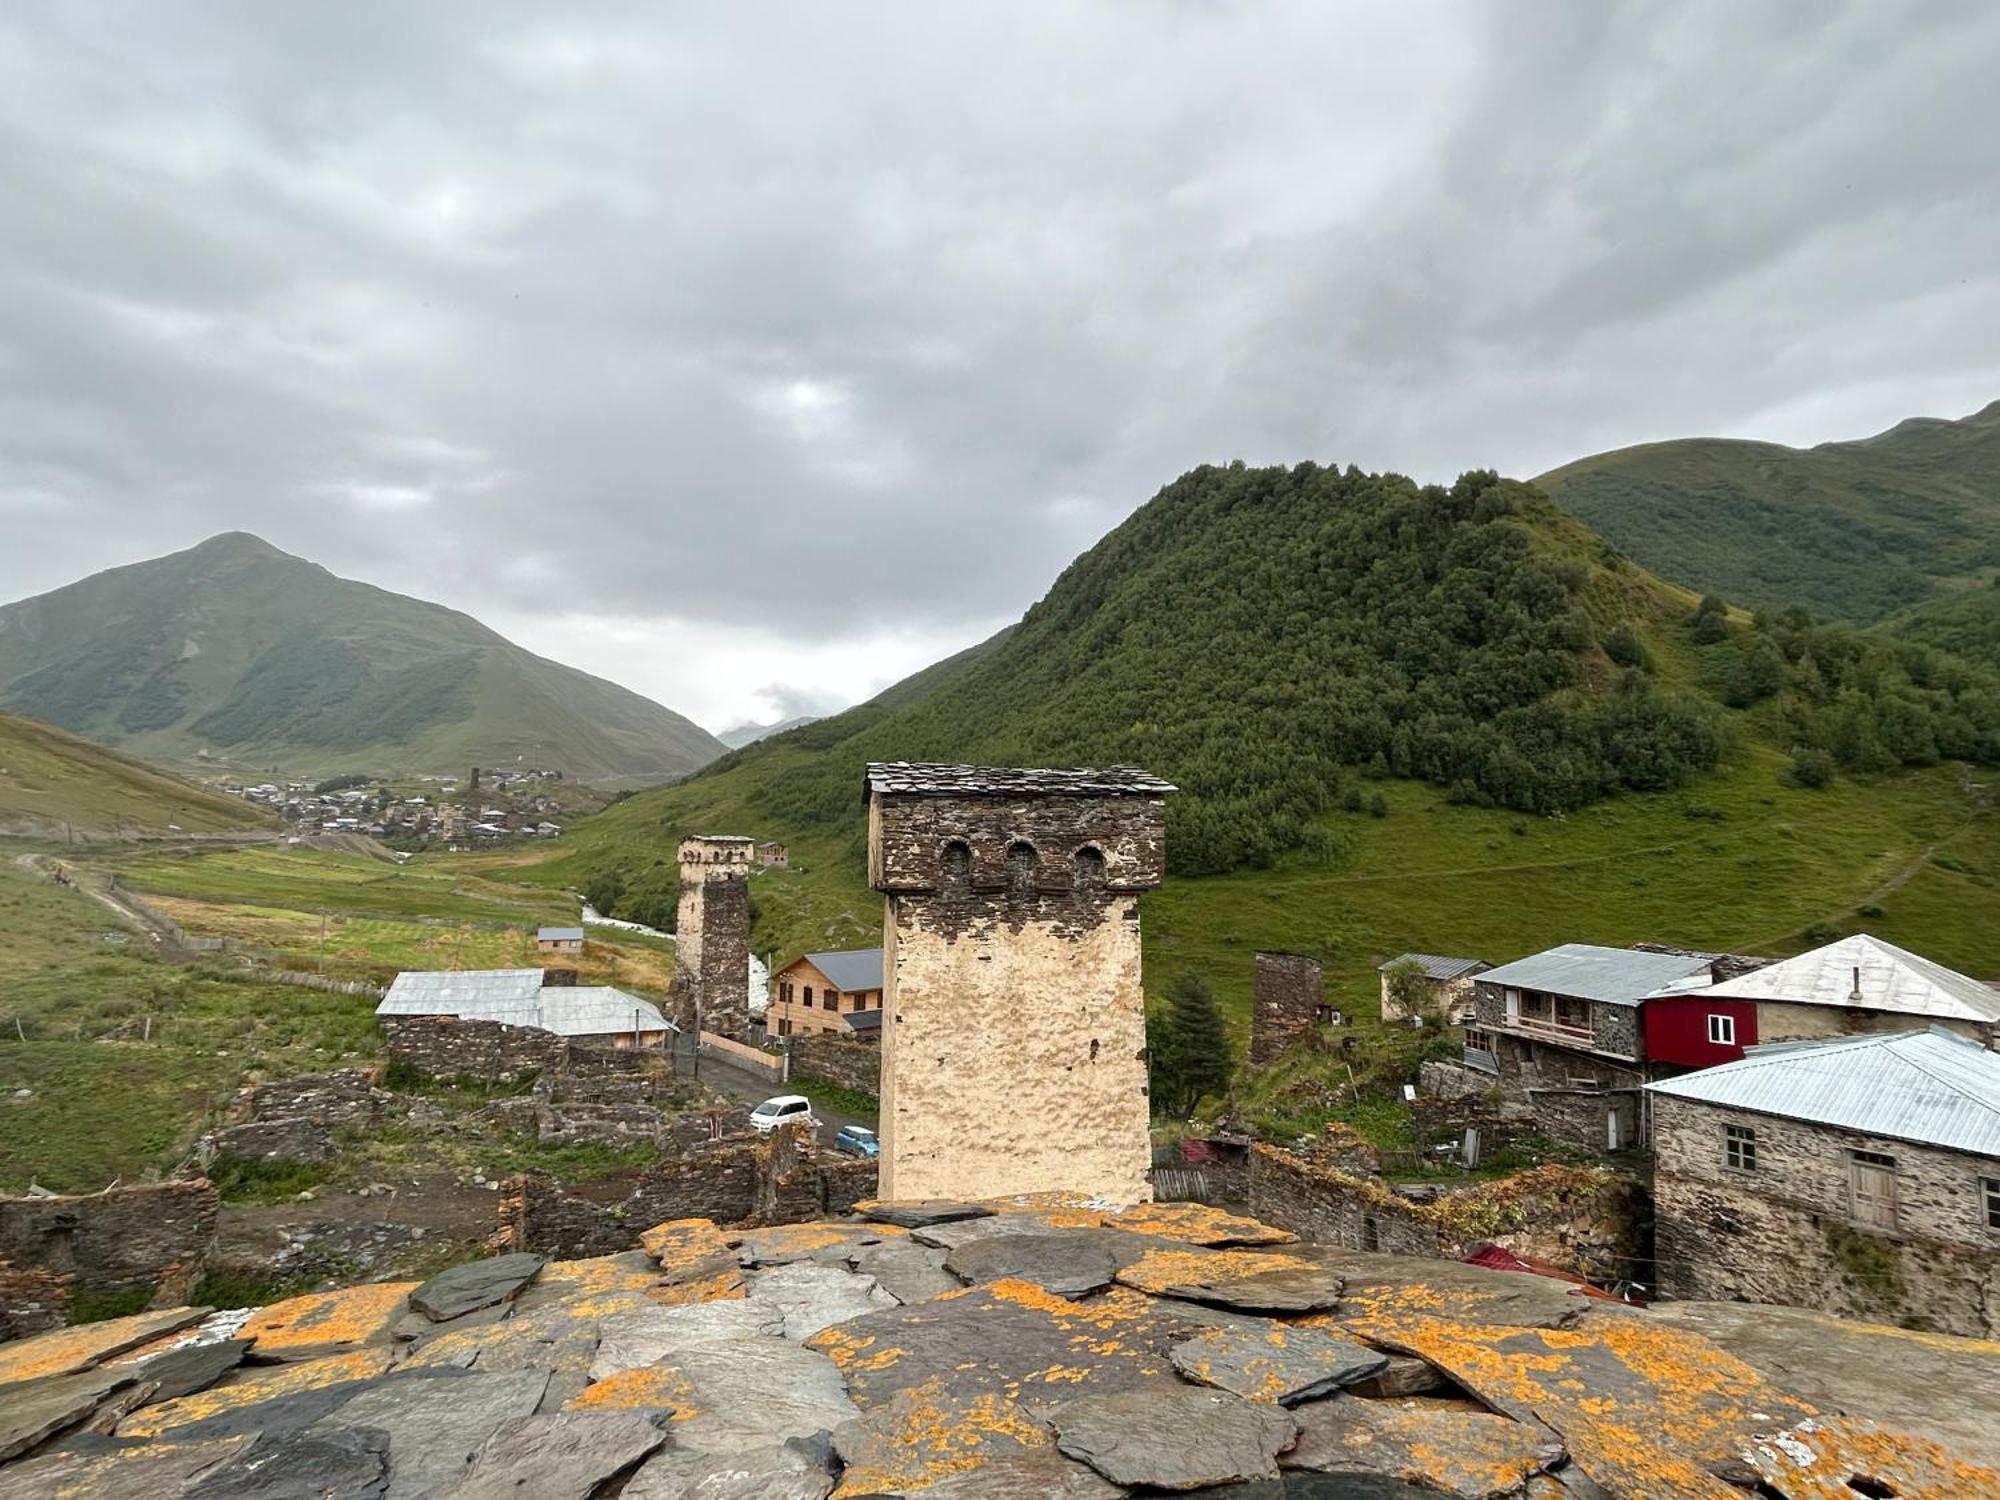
x: 1157, y: 1270
x: 1197, y: 1224
x: 717, y: 1286
x: 684, y: 1244
x: 603, y: 1273
x: 854, y: 1352
x: 1441, y: 1446
x: 254, y: 1389
x: 648, y: 1387
x: 1817, y: 1458
x: 64, y: 1351
x: 327, y: 1320
x: 782, y: 1241
x: 927, y: 1436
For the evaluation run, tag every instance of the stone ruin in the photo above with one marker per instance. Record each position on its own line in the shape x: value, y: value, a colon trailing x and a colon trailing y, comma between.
x: 1289, y: 1002
x: 149, y: 1241
x: 711, y: 988
x: 1013, y: 1026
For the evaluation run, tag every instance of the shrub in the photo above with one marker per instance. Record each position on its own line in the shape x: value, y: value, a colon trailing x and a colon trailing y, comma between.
x: 1811, y: 767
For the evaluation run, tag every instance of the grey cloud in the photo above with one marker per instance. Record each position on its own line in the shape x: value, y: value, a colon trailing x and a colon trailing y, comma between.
x: 830, y: 321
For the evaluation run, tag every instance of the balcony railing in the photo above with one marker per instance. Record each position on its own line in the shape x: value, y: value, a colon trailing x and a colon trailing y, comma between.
x: 1555, y: 1031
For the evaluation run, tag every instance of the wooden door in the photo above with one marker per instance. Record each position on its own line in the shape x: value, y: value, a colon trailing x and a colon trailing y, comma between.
x: 1873, y: 1180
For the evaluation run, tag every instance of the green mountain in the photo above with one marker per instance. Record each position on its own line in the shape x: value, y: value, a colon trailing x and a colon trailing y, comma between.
x: 56, y: 786
x: 1451, y: 720
x: 236, y: 650
x: 1853, y: 531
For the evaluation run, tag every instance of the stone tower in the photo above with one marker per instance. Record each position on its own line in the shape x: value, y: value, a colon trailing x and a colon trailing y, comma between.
x: 1013, y: 1026
x: 1290, y: 999
x: 712, y: 937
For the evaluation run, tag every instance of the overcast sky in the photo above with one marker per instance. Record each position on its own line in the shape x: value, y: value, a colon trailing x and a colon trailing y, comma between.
x: 754, y: 355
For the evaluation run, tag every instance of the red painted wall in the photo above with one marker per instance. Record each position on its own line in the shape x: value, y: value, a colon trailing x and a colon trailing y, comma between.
x: 1677, y: 1030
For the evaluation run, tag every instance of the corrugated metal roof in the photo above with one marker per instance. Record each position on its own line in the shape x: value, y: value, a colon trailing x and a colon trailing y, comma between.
x: 1617, y: 976
x: 864, y: 1020
x: 517, y: 997
x: 1889, y: 979
x: 559, y: 935
x: 1436, y: 965
x: 850, y: 969
x: 1932, y: 1087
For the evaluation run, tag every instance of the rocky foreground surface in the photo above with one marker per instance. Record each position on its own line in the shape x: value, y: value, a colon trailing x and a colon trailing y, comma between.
x: 1008, y: 1349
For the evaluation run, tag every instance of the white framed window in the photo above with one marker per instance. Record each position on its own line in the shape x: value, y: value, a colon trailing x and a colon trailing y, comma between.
x: 1722, y: 1030
x: 1739, y: 1148
x: 1989, y: 1193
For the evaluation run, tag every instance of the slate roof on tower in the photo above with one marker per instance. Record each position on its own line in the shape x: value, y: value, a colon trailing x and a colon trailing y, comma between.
x: 892, y: 777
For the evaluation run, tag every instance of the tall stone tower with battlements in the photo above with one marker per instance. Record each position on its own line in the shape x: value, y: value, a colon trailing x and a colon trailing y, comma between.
x: 712, y: 936
x: 1013, y: 1026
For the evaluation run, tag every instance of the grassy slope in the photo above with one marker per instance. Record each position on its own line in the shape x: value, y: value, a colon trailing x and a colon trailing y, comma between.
x: 272, y: 662
x: 52, y: 783
x: 1852, y: 531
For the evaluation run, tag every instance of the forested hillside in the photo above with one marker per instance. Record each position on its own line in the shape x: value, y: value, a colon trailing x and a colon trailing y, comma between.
x: 1358, y: 681
x: 242, y: 651
x: 1851, y: 531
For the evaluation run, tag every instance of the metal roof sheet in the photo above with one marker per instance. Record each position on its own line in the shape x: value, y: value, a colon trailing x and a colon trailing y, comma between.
x: 851, y: 969
x: 559, y: 934
x: 518, y: 997
x: 1865, y: 973
x: 1436, y: 965
x: 1616, y: 976
x: 864, y: 1020
x: 1932, y: 1087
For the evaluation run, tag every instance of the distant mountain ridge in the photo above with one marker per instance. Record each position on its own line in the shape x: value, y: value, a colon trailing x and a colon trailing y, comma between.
x: 749, y: 734
x: 1854, y: 531
x: 237, y: 649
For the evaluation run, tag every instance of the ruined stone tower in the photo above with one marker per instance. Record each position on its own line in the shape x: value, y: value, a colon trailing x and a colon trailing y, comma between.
x: 712, y: 937
x: 1013, y: 1027
x: 1290, y: 999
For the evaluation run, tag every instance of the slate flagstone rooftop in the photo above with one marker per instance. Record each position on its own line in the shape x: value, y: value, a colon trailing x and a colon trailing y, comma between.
x: 1017, y: 1348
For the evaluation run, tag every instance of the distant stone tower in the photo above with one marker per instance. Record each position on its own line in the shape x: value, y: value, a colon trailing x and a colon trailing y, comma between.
x: 1013, y: 1026
x: 1290, y: 999
x: 712, y: 936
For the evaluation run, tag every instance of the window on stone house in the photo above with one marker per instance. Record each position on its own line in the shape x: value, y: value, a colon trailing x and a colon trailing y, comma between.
x: 1088, y: 868
x: 1722, y: 1030
x: 1572, y: 1012
x: 1871, y: 1189
x: 1021, y: 868
x: 956, y: 869
x: 1989, y: 1191
x: 1739, y: 1148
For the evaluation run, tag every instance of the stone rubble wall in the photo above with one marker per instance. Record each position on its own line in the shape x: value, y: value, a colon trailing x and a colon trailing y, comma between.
x: 32, y: 1300
x: 155, y: 1237
x: 483, y: 1050
x: 333, y: 1100
x: 1580, y: 1219
x: 1289, y: 990
x: 738, y: 1182
x: 1783, y: 1233
x: 839, y: 1060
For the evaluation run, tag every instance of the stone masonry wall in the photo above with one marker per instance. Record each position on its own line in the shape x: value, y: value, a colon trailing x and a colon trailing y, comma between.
x: 1290, y: 990
x: 1784, y: 1232
x: 712, y: 937
x: 155, y: 1237
x: 1013, y: 1017
x: 329, y: 1100
x: 839, y: 1060
x: 485, y: 1050
x: 1581, y: 1219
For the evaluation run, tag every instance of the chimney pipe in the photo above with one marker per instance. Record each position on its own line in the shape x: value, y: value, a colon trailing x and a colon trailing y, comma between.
x: 1854, y: 996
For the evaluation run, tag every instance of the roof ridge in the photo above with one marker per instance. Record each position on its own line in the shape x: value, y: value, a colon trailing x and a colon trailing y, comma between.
x: 1991, y: 1106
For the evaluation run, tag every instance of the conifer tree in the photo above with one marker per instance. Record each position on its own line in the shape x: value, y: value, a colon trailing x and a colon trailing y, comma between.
x: 1198, y: 1042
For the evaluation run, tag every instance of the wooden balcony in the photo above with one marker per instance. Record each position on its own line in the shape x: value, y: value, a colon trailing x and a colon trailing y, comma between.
x: 1553, y: 1031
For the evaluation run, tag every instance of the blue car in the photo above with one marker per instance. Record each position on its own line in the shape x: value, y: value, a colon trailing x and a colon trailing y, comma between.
x: 856, y: 1140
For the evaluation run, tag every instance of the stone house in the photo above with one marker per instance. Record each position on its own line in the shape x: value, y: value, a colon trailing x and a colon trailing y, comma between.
x: 838, y: 992
x: 1560, y: 1032
x: 771, y: 855
x: 1857, y: 985
x: 559, y: 940
x: 1859, y: 1175
x: 1447, y: 985
x: 536, y: 999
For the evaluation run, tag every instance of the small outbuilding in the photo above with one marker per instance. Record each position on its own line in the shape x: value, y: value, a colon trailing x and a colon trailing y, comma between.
x: 1445, y: 983
x: 559, y: 940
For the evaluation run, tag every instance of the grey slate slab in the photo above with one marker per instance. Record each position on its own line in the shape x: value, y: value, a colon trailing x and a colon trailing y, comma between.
x: 1306, y: 1289
x: 560, y: 1455
x: 1403, y: 1375
x: 1174, y: 1438
x: 140, y: 1471
x: 33, y: 1411
x: 350, y: 1464
x: 194, y: 1367
x: 814, y: 1296
x: 923, y: 1215
x: 1273, y: 1362
x: 477, y: 1284
x: 789, y: 1471
x: 645, y: 1336
x: 1042, y: 1473
x: 755, y: 1393
x: 1441, y: 1445
x: 437, y: 1423
x: 906, y: 1271
x: 1303, y: 1486
x: 1070, y: 1265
